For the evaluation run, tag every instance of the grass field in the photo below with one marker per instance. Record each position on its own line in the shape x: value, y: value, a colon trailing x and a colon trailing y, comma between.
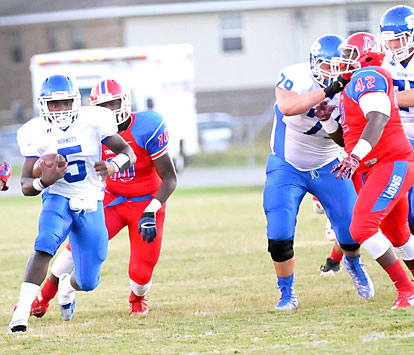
x: 213, y: 290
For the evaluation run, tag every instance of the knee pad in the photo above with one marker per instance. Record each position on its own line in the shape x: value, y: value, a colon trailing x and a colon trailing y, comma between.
x: 280, y: 251
x: 350, y: 247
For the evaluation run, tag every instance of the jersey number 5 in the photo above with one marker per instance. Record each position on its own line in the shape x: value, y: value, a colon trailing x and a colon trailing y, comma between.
x: 79, y: 163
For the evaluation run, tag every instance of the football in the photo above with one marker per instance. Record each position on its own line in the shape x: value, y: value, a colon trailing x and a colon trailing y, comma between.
x: 48, y: 161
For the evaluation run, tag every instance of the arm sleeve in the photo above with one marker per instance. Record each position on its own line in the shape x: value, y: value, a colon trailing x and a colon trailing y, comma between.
x: 375, y: 101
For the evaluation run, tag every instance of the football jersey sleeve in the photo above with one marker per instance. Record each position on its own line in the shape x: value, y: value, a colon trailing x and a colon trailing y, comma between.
x: 25, y: 135
x: 295, y: 78
x: 364, y: 81
x: 151, y: 134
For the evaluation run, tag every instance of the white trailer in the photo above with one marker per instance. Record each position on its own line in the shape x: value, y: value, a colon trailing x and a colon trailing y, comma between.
x: 159, y: 78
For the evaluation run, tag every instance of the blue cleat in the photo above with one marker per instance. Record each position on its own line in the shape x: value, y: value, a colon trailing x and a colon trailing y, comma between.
x: 360, y: 277
x: 67, y: 310
x: 288, y: 299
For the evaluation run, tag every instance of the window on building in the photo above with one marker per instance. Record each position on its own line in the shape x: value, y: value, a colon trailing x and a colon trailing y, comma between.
x: 15, y: 43
x: 52, y: 39
x: 78, y: 37
x: 357, y: 19
x: 231, y: 29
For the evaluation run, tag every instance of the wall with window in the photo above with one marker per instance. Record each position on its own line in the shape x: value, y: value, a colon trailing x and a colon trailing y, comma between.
x: 238, y: 54
x: 20, y: 43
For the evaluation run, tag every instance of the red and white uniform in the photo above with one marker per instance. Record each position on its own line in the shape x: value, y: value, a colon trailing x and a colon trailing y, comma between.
x: 386, y: 173
x: 128, y: 193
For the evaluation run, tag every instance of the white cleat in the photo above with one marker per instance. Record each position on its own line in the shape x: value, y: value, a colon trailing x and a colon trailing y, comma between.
x: 18, y: 326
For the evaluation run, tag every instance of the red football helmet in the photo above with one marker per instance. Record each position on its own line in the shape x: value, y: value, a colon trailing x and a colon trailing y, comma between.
x: 109, y: 90
x: 360, y: 50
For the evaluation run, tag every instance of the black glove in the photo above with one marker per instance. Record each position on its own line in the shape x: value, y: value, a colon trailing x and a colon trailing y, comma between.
x: 335, y: 87
x: 347, y: 167
x: 147, y: 227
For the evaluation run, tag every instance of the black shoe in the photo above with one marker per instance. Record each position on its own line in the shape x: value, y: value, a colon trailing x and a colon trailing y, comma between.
x: 18, y: 328
x: 331, y: 267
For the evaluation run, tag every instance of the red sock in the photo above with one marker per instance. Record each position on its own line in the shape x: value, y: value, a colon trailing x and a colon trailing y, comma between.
x: 336, y: 256
x: 49, y: 291
x: 398, y: 275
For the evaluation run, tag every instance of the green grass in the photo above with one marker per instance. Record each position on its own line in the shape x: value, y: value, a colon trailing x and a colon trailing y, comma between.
x: 213, y: 289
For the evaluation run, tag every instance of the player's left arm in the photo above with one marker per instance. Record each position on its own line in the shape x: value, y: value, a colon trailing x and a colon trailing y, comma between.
x: 125, y: 157
x: 166, y: 171
x: 147, y: 225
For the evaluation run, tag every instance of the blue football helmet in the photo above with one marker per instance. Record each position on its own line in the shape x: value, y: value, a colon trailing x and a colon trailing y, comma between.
x: 323, y: 53
x: 59, y: 87
x: 397, y: 23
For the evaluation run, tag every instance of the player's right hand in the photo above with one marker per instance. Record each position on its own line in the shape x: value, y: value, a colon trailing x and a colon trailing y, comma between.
x: 323, y: 110
x: 53, y: 173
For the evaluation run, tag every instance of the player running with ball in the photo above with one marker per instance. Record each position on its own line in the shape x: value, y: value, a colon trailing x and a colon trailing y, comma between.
x: 134, y: 198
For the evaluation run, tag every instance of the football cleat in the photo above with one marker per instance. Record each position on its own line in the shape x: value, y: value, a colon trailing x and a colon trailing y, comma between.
x: 67, y: 310
x: 288, y: 299
x: 404, y: 299
x: 331, y: 267
x: 18, y: 326
x: 39, y: 307
x: 67, y: 302
x: 137, y: 305
x: 360, y: 277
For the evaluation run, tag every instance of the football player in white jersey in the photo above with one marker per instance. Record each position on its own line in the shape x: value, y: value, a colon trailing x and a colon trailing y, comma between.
x: 302, y: 157
x: 397, y: 36
x: 72, y: 193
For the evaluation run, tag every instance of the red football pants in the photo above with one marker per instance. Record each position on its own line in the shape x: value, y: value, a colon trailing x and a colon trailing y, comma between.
x: 143, y: 256
x: 382, y: 202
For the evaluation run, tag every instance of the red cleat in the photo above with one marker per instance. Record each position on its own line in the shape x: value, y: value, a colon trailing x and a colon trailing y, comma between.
x: 39, y: 308
x: 404, y: 299
x: 137, y: 305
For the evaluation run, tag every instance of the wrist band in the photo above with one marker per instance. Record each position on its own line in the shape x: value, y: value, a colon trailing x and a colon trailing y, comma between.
x: 361, y: 149
x: 330, y: 125
x: 153, y: 206
x: 115, y: 165
x: 37, y: 185
x: 120, y: 160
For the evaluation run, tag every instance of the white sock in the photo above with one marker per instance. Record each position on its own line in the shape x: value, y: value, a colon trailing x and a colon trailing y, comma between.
x: 66, y: 292
x: 28, y: 293
x: 140, y: 290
